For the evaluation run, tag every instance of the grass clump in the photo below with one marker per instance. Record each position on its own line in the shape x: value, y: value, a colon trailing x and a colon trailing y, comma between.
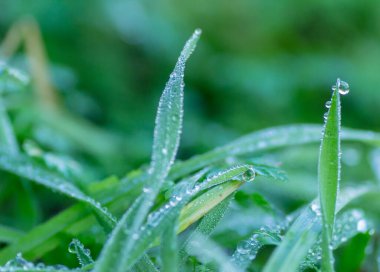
x: 167, y: 216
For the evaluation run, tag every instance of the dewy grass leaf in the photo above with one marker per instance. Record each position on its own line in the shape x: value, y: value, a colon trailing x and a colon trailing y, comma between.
x: 23, y: 167
x: 329, y: 174
x: 165, y: 144
x: 268, y: 139
x: 247, y: 250
x: 169, y: 249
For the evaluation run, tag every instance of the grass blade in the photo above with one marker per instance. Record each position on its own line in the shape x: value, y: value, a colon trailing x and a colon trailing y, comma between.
x: 247, y: 250
x: 9, y: 235
x: 329, y: 175
x: 268, y: 139
x: 23, y: 167
x: 169, y: 249
x: 165, y: 144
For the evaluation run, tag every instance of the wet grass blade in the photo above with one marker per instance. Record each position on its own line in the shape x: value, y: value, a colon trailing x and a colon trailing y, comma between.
x: 247, y: 250
x: 169, y: 249
x: 268, y: 139
x: 329, y: 175
x: 165, y: 144
x: 23, y: 167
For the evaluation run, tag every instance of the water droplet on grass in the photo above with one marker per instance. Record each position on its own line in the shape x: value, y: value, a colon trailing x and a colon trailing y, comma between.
x: 72, y: 247
x: 249, y: 175
x: 342, y: 86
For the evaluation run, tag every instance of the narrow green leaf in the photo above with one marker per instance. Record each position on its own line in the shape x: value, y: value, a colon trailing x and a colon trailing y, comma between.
x: 169, y: 249
x: 329, y: 174
x: 9, y: 235
x: 206, y: 202
x: 24, y: 167
x: 165, y: 144
x: 268, y: 139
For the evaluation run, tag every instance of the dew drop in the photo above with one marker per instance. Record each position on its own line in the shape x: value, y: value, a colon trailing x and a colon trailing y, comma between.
x: 249, y: 175
x: 362, y: 225
x: 343, y: 87
x: 328, y: 104
x: 73, y: 247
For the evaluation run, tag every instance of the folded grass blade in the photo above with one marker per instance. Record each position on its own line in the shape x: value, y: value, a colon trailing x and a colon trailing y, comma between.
x: 207, y: 225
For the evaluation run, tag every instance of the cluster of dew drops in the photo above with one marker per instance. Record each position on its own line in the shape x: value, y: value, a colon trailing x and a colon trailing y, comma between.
x: 343, y: 89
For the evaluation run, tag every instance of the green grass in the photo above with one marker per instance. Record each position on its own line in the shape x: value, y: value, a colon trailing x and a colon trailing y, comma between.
x: 172, y: 215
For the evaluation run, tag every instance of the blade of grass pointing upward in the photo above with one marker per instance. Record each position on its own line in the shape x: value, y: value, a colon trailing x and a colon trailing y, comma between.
x: 115, y: 253
x: 329, y: 172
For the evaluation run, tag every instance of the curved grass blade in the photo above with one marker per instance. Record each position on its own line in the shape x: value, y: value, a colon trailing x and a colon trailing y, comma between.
x: 203, y: 204
x: 208, y: 252
x: 329, y: 175
x: 23, y: 167
x: 247, y: 250
x: 268, y: 139
x: 303, y: 233
x: 165, y: 144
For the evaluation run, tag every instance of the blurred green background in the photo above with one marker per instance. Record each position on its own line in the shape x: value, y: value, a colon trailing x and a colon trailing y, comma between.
x: 258, y: 64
